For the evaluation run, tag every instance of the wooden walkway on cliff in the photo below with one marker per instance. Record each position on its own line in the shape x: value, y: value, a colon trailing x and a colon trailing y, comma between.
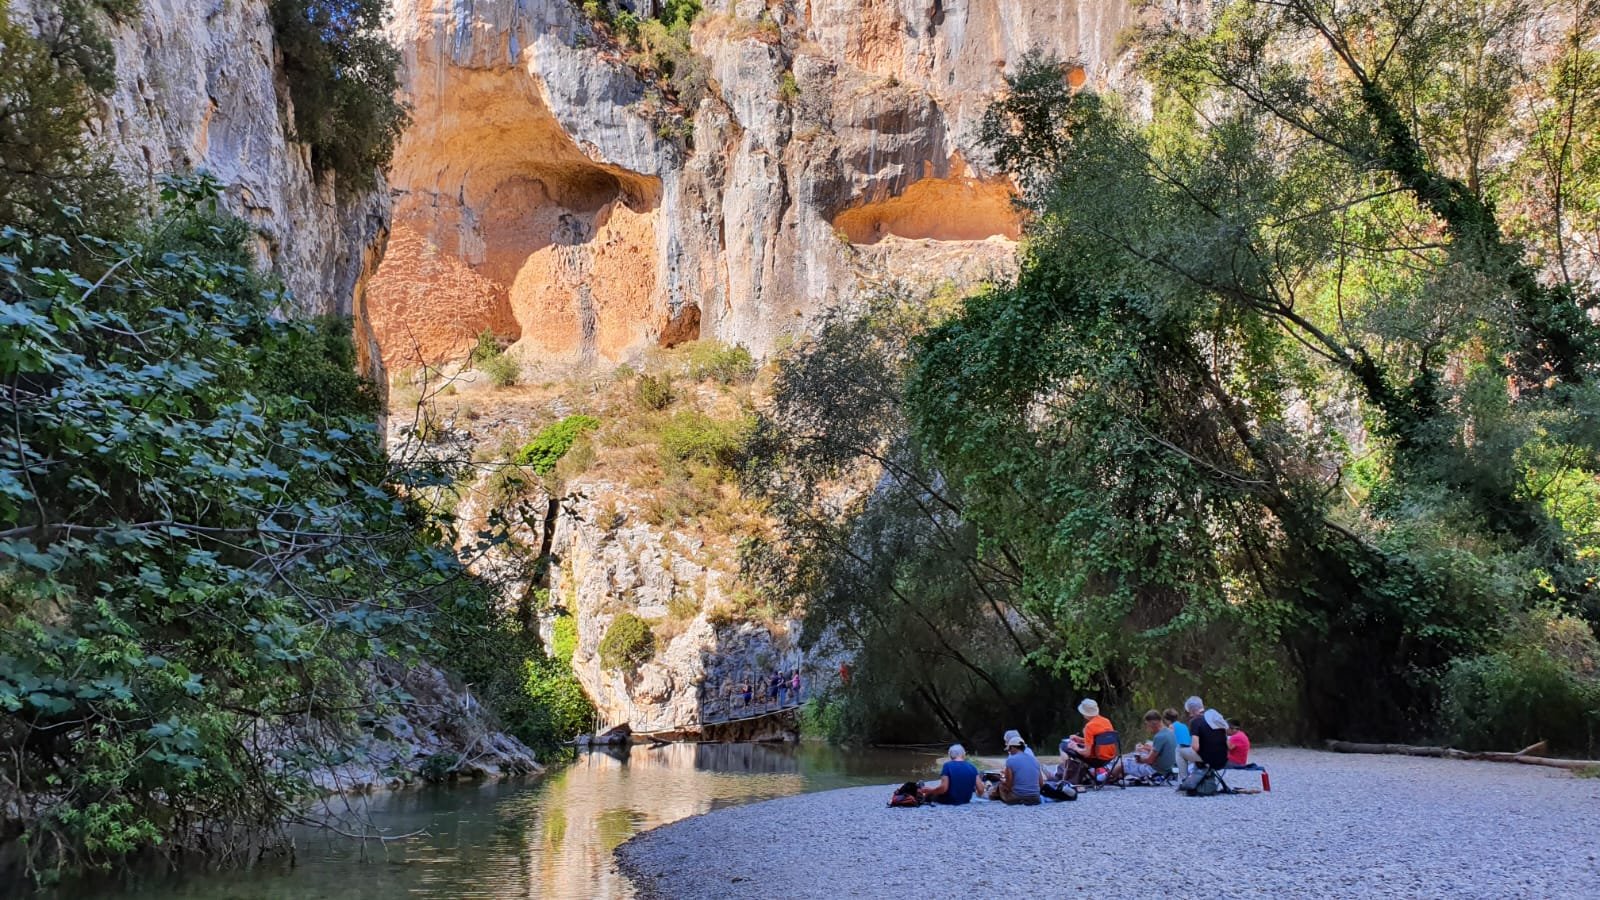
x: 720, y: 714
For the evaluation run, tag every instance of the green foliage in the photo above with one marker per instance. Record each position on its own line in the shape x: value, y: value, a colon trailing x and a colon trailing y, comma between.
x: 654, y: 392
x: 203, y: 541
x: 679, y: 13
x: 664, y: 48
x: 343, y: 77
x: 627, y: 643
x: 1541, y: 683
x: 50, y: 179
x: 788, y: 88
x: 627, y: 26
x: 501, y: 368
x: 691, y: 436
x: 535, y: 695
x: 439, y: 767
x: 717, y: 361
x: 552, y: 442
x: 564, y: 638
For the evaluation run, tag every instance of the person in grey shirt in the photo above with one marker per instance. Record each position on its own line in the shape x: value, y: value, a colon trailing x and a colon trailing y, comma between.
x: 1159, y: 756
x: 1022, y: 778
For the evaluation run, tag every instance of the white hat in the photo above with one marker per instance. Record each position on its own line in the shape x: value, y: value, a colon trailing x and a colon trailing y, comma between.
x: 1089, y: 708
x: 1013, y: 739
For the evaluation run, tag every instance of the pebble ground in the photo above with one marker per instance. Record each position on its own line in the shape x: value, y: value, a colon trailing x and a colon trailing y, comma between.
x: 1334, y: 825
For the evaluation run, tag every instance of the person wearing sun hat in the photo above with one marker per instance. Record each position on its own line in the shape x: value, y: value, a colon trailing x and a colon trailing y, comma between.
x: 1082, y: 746
x: 1022, y: 777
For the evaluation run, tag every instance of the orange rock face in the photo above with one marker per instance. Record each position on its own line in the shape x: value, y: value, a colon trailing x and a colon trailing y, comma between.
x: 502, y: 223
x: 940, y: 209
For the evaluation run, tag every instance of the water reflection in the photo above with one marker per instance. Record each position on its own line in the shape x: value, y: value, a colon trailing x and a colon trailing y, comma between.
x: 550, y: 839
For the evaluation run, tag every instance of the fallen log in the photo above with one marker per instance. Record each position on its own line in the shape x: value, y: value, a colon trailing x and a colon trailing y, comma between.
x: 1525, y: 756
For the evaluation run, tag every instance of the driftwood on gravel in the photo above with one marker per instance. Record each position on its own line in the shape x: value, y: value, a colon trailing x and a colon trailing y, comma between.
x: 1528, y: 755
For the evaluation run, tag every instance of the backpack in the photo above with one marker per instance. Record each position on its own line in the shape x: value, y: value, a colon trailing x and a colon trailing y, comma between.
x: 906, y: 795
x: 1200, y: 783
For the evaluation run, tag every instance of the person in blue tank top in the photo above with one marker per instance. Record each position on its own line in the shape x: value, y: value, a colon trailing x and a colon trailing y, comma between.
x: 1180, y: 730
x: 957, y: 780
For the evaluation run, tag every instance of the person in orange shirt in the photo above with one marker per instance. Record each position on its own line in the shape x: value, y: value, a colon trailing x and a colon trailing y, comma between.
x: 1082, y: 746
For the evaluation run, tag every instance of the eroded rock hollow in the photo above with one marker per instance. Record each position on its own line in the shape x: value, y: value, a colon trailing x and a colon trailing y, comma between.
x: 550, y: 193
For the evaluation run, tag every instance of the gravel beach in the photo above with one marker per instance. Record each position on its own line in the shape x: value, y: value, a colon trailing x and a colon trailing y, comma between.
x: 1334, y: 825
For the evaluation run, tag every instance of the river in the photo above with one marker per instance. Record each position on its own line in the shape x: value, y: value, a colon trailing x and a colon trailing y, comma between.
x: 548, y: 838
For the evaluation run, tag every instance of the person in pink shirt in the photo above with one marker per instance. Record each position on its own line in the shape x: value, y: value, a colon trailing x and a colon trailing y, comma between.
x: 1238, y: 744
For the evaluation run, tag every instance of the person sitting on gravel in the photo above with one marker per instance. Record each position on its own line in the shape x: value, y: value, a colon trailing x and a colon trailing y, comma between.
x: 1238, y: 745
x: 1014, y: 734
x: 1022, y: 778
x: 1158, y: 756
x: 1180, y: 729
x: 1209, y: 744
x: 1082, y: 746
x: 957, y: 780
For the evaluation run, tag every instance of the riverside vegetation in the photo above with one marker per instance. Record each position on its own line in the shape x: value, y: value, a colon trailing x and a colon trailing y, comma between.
x: 1292, y: 401
x: 207, y: 561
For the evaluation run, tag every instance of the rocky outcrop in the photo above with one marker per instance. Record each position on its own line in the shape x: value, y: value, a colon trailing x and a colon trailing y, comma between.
x: 198, y: 89
x: 440, y: 733
x: 544, y: 192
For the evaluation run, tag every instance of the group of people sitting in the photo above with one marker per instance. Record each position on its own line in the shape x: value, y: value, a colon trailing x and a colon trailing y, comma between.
x: 1207, y: 740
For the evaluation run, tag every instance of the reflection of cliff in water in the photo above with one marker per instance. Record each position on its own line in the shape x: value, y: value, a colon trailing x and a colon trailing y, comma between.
x: 548, y: 838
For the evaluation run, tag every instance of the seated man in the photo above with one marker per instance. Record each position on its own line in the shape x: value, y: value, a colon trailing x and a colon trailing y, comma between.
x: 1082, y: 747
x: 1209, y: 744
x: 1020, y: 782
x: 1238, y: 745
x: 1158, y: 756
x: 957, y: 780
x: 1180, y: 729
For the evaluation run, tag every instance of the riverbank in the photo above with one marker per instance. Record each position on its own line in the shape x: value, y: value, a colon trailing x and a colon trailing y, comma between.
x: 1333, y: 825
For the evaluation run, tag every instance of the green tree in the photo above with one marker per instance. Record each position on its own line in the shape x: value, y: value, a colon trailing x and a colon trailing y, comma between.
x: 343, y: 77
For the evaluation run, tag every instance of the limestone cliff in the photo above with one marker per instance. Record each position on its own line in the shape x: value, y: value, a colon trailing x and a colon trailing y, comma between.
x: 551, y: 193
x: 547, y: 193
x: 198, y: 88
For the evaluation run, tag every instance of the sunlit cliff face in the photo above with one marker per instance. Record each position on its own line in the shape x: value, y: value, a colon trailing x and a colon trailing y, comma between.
x: 537, y: 195
x: 501, y: 223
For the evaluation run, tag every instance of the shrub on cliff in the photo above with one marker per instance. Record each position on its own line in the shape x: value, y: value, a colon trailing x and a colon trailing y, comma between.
x: 627, y: 644
x: 343, y: 75
x: 719, y: 362
x: 552, y: 442
x: 654, y: 392
x: 691, y: 436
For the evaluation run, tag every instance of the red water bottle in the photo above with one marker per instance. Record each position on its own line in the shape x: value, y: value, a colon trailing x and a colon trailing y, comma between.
x: 1266, y: 782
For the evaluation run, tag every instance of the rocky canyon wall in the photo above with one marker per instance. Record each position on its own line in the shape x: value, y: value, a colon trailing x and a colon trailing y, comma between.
x: 546, y: 192
x: 198, y: 88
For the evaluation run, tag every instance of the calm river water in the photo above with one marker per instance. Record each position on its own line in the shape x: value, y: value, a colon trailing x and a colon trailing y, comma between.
x: 547, y: 838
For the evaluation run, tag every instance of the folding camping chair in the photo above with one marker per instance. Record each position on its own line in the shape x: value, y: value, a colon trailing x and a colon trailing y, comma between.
x: 1114, y: 769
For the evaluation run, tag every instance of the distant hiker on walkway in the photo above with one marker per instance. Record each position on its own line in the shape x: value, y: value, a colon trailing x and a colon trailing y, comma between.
x: 957, y: 780
x: 794, y: 686
x: 1021, y: 779
x: 775, y: 687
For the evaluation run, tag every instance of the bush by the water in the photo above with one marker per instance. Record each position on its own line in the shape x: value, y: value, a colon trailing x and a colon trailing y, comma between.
x: 552, y: 442
x: 1543, y: 683
x: 628, y: 642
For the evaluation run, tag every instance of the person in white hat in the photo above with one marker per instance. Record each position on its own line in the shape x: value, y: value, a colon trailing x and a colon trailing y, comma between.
x: 1082, y: 747
x: 1022, y: 777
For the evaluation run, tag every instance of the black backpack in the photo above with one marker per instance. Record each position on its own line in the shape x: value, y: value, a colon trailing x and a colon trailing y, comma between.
x: 1201, y: 783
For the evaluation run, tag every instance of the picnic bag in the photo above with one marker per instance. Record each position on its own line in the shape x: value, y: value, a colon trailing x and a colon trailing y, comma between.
x: 906, y: 795
x: 1200, y: 783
